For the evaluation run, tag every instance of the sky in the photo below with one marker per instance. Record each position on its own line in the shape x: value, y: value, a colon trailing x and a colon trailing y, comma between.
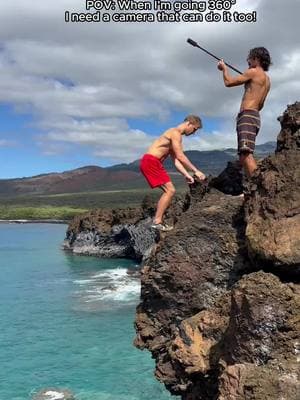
x: 76, y: 94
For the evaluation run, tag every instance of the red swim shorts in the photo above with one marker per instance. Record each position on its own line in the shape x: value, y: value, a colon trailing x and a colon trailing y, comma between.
x: 153, y: 170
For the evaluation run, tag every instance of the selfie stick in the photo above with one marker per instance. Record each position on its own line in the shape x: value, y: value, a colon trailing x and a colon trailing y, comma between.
x: 195, y: 44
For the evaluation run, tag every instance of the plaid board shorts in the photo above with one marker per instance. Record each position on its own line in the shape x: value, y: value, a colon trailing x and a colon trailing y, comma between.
x: 247, y: 127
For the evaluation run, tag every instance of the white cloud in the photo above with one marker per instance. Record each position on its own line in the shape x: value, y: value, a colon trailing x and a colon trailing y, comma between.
x: 8, y: 143
x: 82, y: 82
x: 108, y: 138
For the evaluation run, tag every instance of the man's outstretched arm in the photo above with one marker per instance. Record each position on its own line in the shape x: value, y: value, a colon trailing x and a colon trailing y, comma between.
x: 180, y: 168
x: 229, y: 80
x: 181, y: 157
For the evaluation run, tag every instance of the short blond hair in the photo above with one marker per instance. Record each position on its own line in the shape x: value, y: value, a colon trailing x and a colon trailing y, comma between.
x: 193, y: 119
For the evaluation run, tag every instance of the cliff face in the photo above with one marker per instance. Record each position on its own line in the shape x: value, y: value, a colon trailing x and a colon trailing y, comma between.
x: 220, y: 301
x: 112, y: 233
x: 273, y: 207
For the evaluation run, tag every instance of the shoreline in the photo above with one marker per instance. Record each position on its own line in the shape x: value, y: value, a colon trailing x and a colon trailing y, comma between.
x: 34, y: 221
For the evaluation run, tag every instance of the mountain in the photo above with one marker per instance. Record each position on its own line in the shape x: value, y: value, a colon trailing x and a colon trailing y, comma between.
x: 78, y: 180
x: 212, y: 162
x: 117, y: 177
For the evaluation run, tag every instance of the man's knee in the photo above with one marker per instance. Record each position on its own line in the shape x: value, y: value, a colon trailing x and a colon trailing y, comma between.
x: 169, y: 189
x: 172, y: 191
x: 245, y: 156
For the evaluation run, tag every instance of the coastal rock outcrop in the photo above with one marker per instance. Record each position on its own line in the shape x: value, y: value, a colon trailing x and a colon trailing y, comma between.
x: 273, y: 203
x: 220, y: 299
x: 126, y: 233
x: 120, y: 233
x: 220, y: 295
x: 112, y: 233
x: 260, y: 349
x: 191, y: 271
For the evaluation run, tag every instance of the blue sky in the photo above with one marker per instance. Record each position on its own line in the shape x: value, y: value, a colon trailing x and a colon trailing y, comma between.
x: 97, y: 94
x: 22, y: 156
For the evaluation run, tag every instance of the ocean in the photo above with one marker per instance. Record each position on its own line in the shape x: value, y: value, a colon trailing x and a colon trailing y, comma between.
x: 67, y: 321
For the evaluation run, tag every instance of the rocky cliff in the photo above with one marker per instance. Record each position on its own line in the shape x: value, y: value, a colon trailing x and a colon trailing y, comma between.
x: 220, y: 296
x: 112, y: 233
x: 220, y: 300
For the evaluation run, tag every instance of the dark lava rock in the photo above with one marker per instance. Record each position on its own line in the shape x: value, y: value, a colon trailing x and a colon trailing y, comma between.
x: 230, y: 181
x: 193, y: 266
x: 289, y: 137
x: 280, y: 380
x: 112, y: 233
x: 264, y: 320
x: 119, y: 233
x: 261, y: 344
x: 273, y: 201
x: 217, y: 328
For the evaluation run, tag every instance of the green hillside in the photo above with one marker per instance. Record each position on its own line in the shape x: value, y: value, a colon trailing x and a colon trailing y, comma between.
x: 63, y: 195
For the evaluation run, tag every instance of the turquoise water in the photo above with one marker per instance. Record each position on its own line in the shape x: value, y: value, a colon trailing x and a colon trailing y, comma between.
x: 67, y: 321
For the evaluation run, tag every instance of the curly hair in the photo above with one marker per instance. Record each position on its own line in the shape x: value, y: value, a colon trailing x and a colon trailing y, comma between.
x: 194, y: 119
x: 263, y: 55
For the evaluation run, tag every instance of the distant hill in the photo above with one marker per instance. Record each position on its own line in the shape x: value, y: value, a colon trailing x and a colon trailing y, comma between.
x: 78, y: 180
x: 212, y: 162
x: 117, y: 177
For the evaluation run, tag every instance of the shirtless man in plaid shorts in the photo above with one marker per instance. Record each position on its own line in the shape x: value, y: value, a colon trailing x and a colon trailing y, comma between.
x: 257, y: 86
x: 151, y: 165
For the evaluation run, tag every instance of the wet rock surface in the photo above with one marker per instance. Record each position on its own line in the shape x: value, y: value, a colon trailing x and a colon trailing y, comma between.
x: 112, y: 233
x: 220, y: 308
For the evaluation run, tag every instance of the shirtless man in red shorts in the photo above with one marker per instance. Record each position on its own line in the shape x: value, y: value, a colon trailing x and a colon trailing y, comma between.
x: 257, y: 86
x: 169, y: 143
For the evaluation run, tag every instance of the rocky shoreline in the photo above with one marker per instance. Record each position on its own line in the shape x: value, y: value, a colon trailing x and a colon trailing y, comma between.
x: 122, y: 233
x: 126, y: 233
x: 220, y: 308
x: 220, y: 297
x: 33, y: 221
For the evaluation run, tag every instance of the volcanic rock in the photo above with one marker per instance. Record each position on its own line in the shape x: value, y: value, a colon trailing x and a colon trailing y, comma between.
x: 111, y: 233
x: 220, y: 299
x: 193, y: 267
x: 273, y: 201
x: 260, y: 354
x: 230, y: 181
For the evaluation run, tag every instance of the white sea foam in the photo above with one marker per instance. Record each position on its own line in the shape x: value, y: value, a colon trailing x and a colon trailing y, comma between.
x: 83, y: 281
x: 108, y: 286
x: 52, y: 395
